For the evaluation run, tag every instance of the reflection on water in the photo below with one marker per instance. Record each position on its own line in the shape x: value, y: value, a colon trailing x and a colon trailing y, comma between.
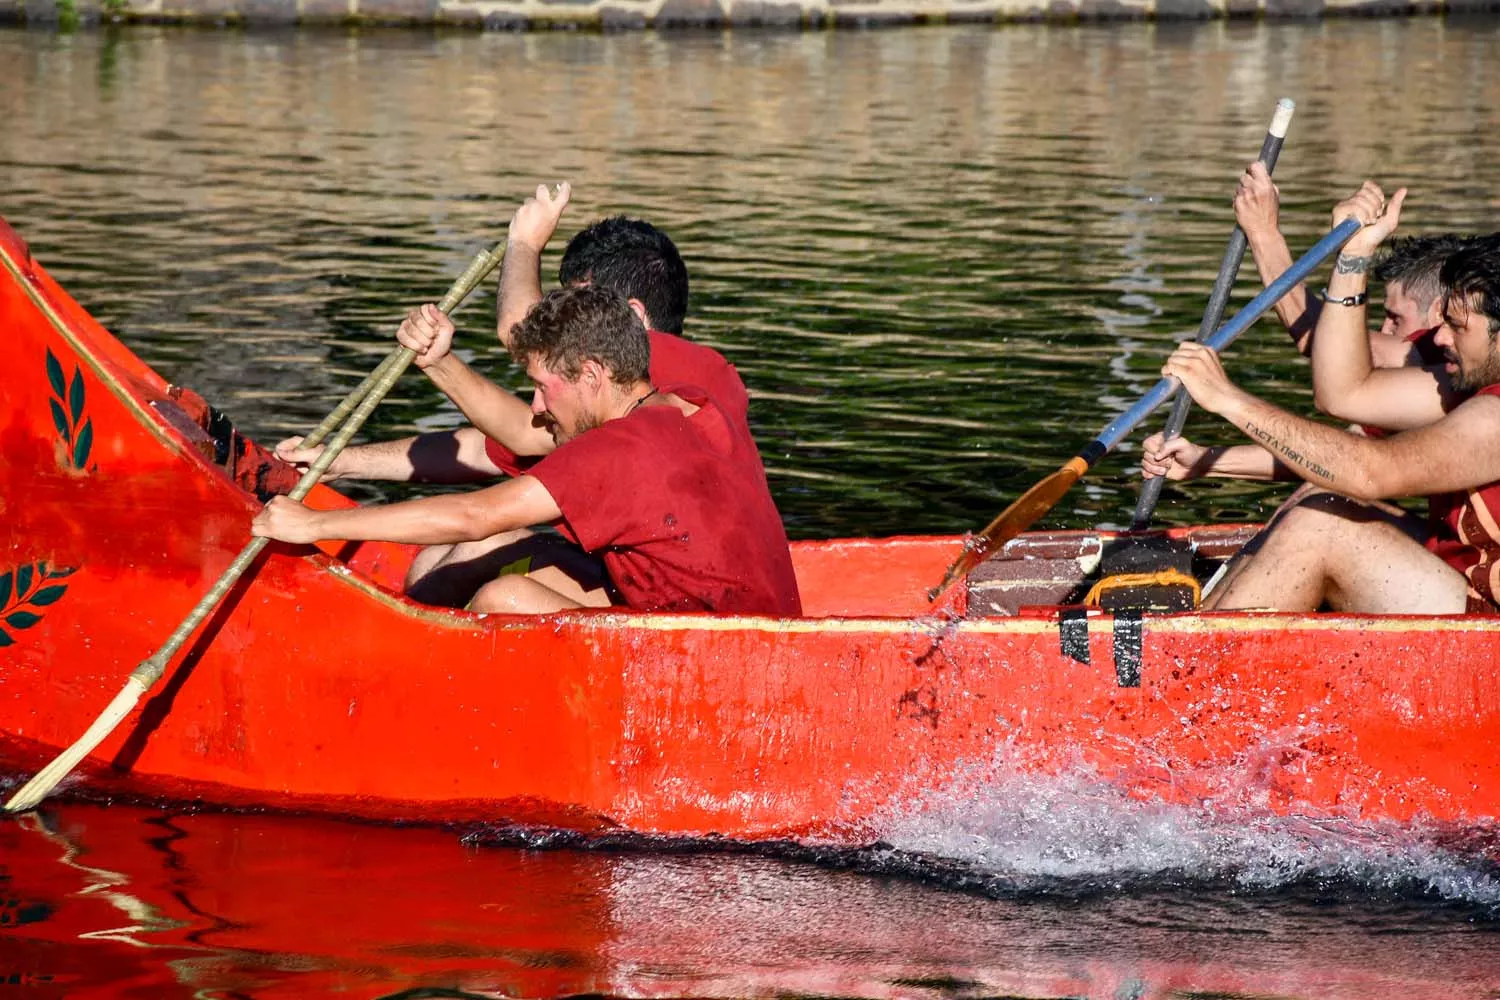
x: 942, y: 258
x: 117, y: 902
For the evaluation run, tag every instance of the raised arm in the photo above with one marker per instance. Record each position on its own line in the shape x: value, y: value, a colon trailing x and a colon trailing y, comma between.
x: 521, y: 272
x: 495, y: 411
x: 456, y: 517
x: 1345, y: 382
x: 1257, y: 208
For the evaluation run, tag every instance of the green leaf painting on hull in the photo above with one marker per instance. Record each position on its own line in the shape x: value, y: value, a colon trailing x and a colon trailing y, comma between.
x: 25, y: 594
x: 67, y: 402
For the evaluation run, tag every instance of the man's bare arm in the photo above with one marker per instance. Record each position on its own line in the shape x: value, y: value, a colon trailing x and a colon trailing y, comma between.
x: 1459, y: 451
x: 459, y: 517
x: 1181, y: 460
x: 1257, y: 206
x: 1346, y: 384
x: 449, y: 457
x: 495, y: 411
x: 521, y: 272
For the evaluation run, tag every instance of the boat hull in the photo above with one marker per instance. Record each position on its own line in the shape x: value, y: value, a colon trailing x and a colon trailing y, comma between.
x: 318, y: 687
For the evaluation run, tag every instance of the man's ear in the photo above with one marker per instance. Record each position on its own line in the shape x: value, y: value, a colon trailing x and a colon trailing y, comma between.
x: 592, y: 375
x: 639, y: 308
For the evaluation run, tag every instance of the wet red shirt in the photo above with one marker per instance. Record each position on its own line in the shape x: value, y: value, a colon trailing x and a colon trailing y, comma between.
x: 678, y: 509
x: 1464, y: 531
x: 674, y: 361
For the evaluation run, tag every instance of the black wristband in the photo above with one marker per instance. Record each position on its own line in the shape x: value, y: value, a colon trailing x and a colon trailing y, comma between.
x: 1348, y: 300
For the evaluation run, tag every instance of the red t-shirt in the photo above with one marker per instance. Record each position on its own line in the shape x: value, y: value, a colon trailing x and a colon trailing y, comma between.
x: 678, y: 508
x: 674, y: 361
x: 1464, y: 531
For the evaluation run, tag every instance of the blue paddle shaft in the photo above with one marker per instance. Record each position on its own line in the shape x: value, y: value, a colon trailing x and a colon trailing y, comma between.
x: 1226, y: 334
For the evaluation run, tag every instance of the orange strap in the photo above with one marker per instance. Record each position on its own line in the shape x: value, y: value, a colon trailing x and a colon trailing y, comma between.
x: 1161, y: 578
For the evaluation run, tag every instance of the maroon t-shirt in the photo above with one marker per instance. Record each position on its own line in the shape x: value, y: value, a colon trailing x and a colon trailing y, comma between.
x: 674, y: 361
x: 678, y: 509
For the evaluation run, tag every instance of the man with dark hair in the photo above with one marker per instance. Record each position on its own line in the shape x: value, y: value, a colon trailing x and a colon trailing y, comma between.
x: 665, y: 496
x: 1335, y: 547
x: 633, y: 258
x: 620, y: 252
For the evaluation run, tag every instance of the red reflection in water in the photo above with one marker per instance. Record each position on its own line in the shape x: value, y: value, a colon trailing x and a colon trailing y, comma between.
x: 116, y: 902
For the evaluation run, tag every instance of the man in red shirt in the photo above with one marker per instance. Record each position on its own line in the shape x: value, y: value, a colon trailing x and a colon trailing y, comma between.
x: 655, y: 482
x: 629, y: 256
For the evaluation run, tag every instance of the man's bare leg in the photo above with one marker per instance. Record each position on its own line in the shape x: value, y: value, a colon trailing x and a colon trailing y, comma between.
x: 1352, y: 555
x: 449, y: 575
x: 1409, y: 523
x: 529, y: 595
x: 454, y: 575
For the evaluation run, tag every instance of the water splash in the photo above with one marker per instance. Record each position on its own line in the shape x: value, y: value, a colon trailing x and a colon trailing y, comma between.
x: 1076, y: 834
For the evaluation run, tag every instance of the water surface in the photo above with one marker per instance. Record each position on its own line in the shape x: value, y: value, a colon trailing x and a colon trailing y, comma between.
x: 942, y: 260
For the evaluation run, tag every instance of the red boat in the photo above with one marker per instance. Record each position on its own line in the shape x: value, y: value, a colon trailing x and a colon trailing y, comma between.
x: 318, y: 687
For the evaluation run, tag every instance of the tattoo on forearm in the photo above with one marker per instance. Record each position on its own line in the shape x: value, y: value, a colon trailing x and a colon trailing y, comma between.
x: 1287, y: 454
x: 1351, y: 265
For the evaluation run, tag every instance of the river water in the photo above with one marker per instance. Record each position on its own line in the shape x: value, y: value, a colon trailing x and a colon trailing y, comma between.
x: 942, y: 259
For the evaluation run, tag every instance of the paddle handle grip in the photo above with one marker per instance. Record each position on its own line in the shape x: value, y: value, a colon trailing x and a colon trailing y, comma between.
x: 479, y: 268
x: 1238, y: 324
x: 355, y: 411
x: 1218, y: 299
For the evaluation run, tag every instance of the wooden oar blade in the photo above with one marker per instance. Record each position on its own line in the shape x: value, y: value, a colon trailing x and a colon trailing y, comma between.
x: 1016, y: 518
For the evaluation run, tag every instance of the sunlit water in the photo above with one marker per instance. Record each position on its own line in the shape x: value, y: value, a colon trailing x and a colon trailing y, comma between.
x: 942, y: 259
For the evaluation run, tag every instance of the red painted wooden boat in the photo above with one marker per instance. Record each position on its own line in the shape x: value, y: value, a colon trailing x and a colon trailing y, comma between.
x: 318, y: 687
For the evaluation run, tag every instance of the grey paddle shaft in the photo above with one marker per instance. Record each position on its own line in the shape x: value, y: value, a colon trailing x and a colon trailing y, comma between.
x: 1229, y: 269
x: 149, y: 671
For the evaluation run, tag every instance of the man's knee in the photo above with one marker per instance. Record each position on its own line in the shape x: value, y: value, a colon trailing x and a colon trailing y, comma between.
x: 425, y: 562
x: 517, y: 594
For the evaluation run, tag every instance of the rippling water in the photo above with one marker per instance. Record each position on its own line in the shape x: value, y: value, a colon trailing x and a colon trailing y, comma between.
x: 942, y: 259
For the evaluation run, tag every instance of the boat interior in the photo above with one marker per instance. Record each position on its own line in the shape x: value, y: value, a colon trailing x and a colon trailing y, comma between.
x: 886, y: 578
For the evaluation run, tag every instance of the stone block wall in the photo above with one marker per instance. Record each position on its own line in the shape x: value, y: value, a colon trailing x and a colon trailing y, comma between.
x: 668, y: 14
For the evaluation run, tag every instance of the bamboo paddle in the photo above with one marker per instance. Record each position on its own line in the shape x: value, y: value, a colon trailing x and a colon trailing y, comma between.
x: 1044, y: 495
x: 1229, y: 269
x: 150, y: 670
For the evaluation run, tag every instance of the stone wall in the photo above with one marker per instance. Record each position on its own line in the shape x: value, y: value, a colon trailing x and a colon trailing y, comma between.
x: 629, y: 14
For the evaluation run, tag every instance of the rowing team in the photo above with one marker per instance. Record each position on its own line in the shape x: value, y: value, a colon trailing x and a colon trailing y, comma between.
x: 636, y: 445
x: 1423, y: 395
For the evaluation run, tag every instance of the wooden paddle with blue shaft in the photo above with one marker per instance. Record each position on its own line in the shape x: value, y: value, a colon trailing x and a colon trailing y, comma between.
x: 1044, y: 495
x: 356, y: 407
x: 1229, y: 269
